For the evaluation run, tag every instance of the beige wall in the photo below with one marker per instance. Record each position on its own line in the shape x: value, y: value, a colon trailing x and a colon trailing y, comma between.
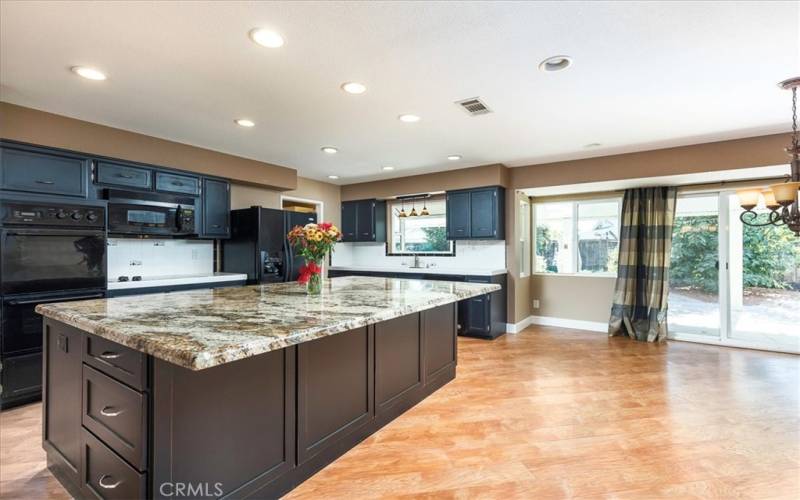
x: 487, y: 175
x: 243, y: 196
x: 572, y: 297
x: 589, y: 298
x: 46, y: 129
x: 724, y: 155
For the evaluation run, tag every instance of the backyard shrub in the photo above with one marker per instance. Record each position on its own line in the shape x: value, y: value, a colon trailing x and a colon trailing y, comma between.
x: 770, y: 252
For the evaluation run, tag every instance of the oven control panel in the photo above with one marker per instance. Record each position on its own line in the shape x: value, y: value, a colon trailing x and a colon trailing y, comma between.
x: 55, y: 214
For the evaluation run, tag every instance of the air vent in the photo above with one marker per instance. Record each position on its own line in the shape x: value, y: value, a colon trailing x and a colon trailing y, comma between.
x: 474, y: 106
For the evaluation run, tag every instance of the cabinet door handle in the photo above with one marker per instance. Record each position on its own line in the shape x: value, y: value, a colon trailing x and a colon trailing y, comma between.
x: 481, y: 229
x: 177, y: 183
x: 125, y: 176
x: 39, y: 181
x: 365, y: 234
x: 109, y: 486
x: 216, y: 226
x: 108, y: 411
x: 110, y: 355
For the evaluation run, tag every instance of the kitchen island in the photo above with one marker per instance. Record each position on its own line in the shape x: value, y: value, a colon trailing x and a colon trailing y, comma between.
x: 236, y: 392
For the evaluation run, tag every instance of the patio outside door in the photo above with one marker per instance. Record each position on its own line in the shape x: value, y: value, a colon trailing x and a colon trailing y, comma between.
x: 732, y: 284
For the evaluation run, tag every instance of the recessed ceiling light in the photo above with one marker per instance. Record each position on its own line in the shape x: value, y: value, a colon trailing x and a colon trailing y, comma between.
x: 266, y: 38
x: 454, y: 157
x: 329, y: 150
x: 388, y: 168
x: 333, y: 177
x: 89, y: 73
x: 555, y: 63
x: 593, y: 145
x: 354, y: 88
x: 408, y: 118
x: 244, y: 122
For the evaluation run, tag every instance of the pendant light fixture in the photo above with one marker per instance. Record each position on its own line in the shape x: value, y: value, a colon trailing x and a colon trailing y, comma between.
x: 402, y: 213
x: 783, y: 200
x: 424, y: 212
x: 413, y: 209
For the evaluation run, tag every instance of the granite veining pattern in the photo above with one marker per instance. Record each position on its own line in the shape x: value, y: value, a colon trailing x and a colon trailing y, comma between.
x: 200, y: 329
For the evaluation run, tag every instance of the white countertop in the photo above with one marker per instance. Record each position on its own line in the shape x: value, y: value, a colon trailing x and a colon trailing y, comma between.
x: 426, y: 270
x: 184, y: 279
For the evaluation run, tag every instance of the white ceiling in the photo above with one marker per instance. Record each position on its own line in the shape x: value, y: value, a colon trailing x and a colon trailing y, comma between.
x: 645, y: 75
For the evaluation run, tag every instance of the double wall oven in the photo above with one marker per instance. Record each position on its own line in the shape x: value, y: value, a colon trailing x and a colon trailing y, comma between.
x: 49, y: 252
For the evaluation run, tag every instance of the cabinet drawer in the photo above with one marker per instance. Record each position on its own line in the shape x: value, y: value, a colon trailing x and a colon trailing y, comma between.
x: 107, y: 476
x: 116, y: 174
x: 174, y: 183
x: 122, y: 363
x: 116, y: 414
x: 45, y: 173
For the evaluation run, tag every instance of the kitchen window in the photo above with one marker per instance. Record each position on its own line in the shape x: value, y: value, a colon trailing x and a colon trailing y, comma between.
x: 577, y: 237
x: 418, y: 234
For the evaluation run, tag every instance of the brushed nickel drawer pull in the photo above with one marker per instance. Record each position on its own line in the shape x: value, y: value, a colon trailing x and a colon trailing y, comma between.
x: 45, y: 182
x: 110, y: 355
x: 108, y: 486
x: 108, y: 411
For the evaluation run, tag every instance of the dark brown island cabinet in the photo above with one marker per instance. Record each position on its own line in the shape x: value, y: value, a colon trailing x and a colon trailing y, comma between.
x: 120, y: 424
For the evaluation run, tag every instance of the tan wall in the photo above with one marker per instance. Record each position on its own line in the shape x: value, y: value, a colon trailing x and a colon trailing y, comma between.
x: 572, y: 297
x: 244, y: 195
x: 589, y: 298
x: 47, y: 129
x: 724, y: 155
x: 487, y: 175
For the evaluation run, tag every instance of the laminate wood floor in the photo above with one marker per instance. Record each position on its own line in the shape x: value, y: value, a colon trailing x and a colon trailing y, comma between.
x: 553, y: 413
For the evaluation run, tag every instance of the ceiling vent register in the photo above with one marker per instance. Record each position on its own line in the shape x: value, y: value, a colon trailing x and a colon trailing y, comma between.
x: 474, y: 106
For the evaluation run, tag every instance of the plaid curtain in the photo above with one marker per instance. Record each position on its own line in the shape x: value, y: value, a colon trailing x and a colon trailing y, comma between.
x: 640, y: 295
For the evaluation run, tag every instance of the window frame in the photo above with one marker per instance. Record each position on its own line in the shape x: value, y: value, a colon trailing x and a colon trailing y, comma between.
x: 390, y: 205
x: 526, y: 235
x: 574, y: 257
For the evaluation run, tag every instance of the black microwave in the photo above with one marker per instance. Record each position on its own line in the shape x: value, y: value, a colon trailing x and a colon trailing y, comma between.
x: 150, y: 214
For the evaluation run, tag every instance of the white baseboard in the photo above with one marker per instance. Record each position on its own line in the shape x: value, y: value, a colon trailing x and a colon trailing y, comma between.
x: 518, y: 327
x: 577, y: 324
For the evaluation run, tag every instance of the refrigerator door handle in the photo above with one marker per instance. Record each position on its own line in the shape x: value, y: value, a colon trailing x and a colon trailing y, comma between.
x: 288, y: 259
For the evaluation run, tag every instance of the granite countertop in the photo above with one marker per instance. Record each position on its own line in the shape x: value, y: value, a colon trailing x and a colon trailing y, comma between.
x: 422, y: 270
x: 200, y: 329
x: 176, y: 279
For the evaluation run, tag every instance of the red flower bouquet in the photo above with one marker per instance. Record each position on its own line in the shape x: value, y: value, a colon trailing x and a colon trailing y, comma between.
x: 313, y: 242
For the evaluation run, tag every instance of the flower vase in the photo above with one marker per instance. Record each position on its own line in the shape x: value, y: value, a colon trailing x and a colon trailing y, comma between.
x: 314, y: 284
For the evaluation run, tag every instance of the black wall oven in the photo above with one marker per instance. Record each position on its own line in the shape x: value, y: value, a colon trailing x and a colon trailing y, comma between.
x: 49, y: 252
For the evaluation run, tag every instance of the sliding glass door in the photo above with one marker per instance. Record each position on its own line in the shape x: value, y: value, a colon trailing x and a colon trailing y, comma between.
x: 694, y: 277
x: 730, y: 283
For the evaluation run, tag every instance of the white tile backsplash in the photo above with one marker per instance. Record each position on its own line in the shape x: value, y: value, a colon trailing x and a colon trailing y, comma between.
x: 487, y: 255
x: 152, y: 258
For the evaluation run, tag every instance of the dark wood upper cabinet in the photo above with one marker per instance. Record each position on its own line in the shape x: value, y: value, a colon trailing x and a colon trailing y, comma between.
x: 476, y: 214
x: 364, y: 220
x: 216, y: 211
x: 41, y: 170
x: 458, y: 215
x: 124, y: 175
x: 177, y: 183
x: 349, y: 214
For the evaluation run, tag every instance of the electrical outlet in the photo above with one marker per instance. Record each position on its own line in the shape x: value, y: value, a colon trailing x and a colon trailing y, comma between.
x: 536, y: 303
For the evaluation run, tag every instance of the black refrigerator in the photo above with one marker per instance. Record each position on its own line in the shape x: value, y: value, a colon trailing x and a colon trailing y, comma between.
x: 258, y: 246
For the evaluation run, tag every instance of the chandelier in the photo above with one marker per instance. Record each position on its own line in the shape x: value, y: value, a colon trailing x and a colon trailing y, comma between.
x: 782, y: 199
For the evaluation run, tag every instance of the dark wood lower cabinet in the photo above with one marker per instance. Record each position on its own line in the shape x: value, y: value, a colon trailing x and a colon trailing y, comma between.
x: 254, y: 428
x: 334, y: 389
